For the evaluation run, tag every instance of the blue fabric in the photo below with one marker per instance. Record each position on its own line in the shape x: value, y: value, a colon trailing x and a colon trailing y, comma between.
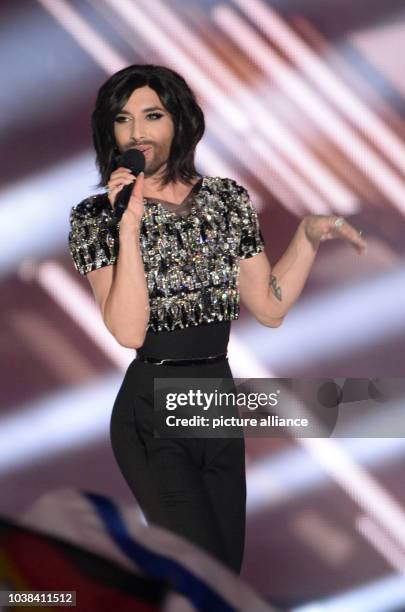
x: 182, y: 580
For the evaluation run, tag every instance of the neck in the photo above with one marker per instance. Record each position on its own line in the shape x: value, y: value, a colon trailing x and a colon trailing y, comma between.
x: 173, y: 191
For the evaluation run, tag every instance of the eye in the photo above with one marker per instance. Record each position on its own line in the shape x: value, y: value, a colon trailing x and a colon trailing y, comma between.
x: 122, y: 118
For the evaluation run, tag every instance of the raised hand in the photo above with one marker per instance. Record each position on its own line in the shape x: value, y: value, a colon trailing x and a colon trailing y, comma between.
x: 131, y: 217
x: 118, y: 179
x: 319, y: 228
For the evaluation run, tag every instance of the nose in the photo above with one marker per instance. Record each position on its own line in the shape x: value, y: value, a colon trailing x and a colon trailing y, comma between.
x: 138, y: 132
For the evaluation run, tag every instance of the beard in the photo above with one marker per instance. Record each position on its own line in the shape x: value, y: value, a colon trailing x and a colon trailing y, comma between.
x: 156, y: 163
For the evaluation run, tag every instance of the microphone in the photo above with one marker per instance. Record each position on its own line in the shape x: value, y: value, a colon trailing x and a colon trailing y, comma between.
x: 134, y: 160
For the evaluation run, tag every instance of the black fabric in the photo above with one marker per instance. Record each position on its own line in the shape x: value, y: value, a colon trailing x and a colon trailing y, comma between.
x: 194, y: 487
x: 182, y: 362
x: 197, y: 341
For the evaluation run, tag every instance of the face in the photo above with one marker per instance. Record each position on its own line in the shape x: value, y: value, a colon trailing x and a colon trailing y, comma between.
x: 144, y: 121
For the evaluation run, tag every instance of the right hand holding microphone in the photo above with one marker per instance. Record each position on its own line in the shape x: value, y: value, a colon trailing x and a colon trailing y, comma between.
x: 131, y: 217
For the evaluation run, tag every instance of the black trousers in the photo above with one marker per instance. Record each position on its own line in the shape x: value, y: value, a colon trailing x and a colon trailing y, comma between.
x: 194, y: 487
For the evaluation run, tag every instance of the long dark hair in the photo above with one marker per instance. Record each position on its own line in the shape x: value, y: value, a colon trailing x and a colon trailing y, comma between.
x: 176, y: 97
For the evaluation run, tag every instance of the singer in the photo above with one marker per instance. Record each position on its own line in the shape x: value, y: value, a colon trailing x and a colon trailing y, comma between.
x: 167, y: 274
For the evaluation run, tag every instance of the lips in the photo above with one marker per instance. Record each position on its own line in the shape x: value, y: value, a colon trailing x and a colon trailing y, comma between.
x: 143, y: 149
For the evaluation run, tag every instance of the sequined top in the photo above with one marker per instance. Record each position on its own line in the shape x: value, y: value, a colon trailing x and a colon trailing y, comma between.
x: 190, y: 251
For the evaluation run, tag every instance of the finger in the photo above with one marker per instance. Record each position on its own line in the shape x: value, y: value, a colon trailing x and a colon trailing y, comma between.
x: 354, y: 236
x: 137, y: 191
x: 359, y: 240
x: 361, y: 248
x: 120, y: 173
x: 122, y: 169
x: 113, y: 194
x: 344, y: 231
x: 120, y: 182
x: 121, y: 176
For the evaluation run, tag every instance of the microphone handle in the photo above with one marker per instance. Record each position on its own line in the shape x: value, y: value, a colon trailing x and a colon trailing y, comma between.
x: 122, y: 200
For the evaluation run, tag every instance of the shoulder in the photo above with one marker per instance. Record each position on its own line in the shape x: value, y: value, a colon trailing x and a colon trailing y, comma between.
x: 93, y: 208
x: 93, y: 235
x: 233, y: 194
x: 220, y: 184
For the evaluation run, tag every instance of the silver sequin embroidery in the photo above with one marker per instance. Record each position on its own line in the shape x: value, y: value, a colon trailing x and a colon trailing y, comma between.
x: 191, y: 261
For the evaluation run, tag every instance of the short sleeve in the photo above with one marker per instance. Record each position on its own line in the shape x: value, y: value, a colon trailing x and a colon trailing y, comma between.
x: 251, y: 238
x: 93, y: 240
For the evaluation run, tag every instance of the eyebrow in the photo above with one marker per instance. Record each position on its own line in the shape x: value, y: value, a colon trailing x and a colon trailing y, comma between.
x: 145, y: 110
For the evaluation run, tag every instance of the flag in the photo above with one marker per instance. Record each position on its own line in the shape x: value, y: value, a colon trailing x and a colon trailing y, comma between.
x: 82, y: 541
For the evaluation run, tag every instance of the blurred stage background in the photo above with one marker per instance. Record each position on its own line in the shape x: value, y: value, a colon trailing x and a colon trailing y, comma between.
x: 304, y: 106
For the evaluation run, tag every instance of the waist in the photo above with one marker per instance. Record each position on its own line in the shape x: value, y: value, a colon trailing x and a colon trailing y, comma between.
x: 192, y: 342
x: 179, y: 362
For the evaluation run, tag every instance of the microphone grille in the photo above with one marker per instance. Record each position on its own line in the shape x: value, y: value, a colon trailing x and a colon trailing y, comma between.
x: 132, y: 159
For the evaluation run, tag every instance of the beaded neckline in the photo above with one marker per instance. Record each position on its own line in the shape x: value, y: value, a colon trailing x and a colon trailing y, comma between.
x: 195, y: 191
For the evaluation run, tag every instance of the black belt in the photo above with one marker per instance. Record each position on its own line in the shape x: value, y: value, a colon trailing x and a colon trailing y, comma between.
x: 194, y: 360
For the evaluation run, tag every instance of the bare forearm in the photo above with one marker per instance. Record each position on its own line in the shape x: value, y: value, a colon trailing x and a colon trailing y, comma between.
x: 126, y: 311
x: 289, y: 274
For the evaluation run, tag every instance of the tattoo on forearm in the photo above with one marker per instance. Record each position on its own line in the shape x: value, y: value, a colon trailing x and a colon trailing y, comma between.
x: 276, y: 289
